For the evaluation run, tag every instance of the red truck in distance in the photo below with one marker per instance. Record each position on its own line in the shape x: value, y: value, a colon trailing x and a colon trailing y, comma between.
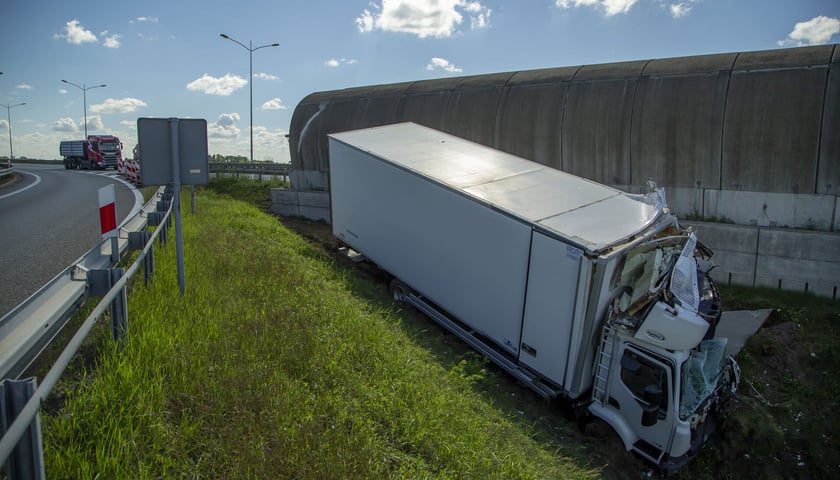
x: 97, y: 152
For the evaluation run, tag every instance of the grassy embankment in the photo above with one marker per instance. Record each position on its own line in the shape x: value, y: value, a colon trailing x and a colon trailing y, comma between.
x: 270, y: 367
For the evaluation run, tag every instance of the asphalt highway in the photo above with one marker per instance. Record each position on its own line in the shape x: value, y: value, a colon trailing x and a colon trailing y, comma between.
x: 49, y: 217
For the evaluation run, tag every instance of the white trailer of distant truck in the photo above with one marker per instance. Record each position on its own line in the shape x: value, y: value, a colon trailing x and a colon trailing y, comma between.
x: 577, y: 289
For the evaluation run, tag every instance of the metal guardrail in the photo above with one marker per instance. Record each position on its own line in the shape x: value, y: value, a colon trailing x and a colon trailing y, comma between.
x: 27, y: 329
x: 6, y: 170
x: 259, y: 169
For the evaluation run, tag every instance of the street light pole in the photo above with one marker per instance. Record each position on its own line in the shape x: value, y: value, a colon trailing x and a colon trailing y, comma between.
x: 84, y: 90
x: 9, y: 118
x: 251, y: 51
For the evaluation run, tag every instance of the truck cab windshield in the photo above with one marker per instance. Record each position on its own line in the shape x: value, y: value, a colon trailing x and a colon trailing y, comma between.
x: 646, y: 271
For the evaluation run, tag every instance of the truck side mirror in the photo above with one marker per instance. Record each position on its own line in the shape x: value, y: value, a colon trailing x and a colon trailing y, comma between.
x: 653, y: 402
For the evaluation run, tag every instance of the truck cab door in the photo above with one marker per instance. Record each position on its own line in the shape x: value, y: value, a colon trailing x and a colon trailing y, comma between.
x: 643, y: 393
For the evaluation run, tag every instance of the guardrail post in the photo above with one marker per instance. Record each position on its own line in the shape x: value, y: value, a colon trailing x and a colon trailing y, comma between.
x: 138, y: 241
x: 100, y: 283
x: 27, y: 459
x: 119, y: 308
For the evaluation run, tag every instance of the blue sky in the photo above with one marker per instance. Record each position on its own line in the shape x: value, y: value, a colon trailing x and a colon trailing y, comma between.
x: 166, y: 58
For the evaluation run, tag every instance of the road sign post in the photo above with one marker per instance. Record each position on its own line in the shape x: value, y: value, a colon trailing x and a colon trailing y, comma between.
x: 174, y: 153
x: 108, y: 219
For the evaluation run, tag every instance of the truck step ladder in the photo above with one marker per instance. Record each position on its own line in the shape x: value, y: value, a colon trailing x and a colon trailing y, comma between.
x: 599, y: 388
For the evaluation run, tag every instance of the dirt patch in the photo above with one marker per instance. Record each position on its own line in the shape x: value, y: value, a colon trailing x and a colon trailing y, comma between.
x: 317, y: 232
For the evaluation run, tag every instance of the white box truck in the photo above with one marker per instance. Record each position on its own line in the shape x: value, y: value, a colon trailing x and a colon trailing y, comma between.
x: 577, y: 289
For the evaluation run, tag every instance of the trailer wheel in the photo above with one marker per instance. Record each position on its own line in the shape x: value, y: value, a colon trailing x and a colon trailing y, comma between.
x: 399, y: 291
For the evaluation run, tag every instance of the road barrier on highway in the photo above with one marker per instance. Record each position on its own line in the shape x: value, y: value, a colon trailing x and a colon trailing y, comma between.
x: 27, y: 329
x: 6, y: 170
x: 131, y: 171
x: 282, y: 170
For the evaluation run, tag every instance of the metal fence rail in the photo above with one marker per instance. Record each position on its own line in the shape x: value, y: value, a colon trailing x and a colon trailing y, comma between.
x: 20, y: 445
x: 6, y: 169
x: 282, y: 170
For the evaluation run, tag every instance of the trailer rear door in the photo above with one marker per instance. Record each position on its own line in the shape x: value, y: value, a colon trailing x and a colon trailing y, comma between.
x: 549, y: 306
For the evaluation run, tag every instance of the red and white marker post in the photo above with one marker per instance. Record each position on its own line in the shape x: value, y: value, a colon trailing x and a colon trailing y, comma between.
x: 108, y: 219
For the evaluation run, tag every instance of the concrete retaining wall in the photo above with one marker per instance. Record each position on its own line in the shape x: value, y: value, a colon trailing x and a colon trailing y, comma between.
x: 778, y: 258
x: 295, y: 203
x: 755, y: 121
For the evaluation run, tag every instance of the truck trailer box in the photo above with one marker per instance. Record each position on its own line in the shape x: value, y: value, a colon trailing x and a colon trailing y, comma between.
x: 72, y: 148
x: 576, y: 288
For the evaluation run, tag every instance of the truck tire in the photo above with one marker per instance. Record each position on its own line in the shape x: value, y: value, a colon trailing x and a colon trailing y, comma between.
x: 399, y: 291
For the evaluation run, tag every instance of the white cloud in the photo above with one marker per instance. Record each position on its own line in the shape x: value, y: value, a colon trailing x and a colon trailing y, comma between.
x: 112, y: 41
x: 77, y: 34
x: 225, y: 126
x: 274, y: 104
x: 94, y: 123
x: 129, y: 123
x: 816, y: 31
x: 4, y: 125
x: 334, y: 62
x: 25, y: 86
x: 266, y: 76
x: 679, y: 10
x: 611, y: 7
x: 365, y: 22
x: 423, y: 18
x: 121, y: 105
x: 442, y: 64
x: 147, y: 19
x: 65, y: 124
x: 62, y: 91
x: 217, y: 86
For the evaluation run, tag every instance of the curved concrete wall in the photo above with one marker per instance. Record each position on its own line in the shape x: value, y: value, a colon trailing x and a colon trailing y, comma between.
x: 756, y: 121
x: 745, y: 138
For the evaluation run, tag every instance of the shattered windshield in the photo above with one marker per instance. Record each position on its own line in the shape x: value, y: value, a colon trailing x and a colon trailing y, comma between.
x: 700, y: 374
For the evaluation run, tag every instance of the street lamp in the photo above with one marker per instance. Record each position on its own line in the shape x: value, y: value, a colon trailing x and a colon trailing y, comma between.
x: 251, y: 49
x: 84, y: 90
x: 9, y: 117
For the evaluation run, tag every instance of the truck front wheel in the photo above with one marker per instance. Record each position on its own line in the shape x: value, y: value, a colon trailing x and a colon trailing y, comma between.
x: 399, y: 291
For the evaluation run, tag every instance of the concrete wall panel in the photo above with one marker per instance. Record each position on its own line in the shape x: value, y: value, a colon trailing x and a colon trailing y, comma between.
x: 529, y: 122
x: 685, y: 202
x: 472, y: 114
x: 784, y: 58
x: 734, y: 247
x: 765, y: 209
x: 829, y: 160
x: 771, y: 130
x: 543, y: 76
x: 676, y: 134
x: 595, y: 140
x: 700, y: 64
x: 427, y: 109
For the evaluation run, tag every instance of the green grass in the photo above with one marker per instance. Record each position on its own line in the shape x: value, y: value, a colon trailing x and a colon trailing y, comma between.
x: 270, y: 366
x: 784, y: 422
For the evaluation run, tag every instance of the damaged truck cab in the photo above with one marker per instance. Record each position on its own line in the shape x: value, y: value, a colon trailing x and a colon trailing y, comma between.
x: 660, y: 374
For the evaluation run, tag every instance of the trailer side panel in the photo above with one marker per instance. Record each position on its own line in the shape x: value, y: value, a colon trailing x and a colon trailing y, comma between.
x: 550, y: 306
x: 458, y: 253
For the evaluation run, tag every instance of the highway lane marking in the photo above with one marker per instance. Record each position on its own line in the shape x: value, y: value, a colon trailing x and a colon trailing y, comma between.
x: 37, y: 181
